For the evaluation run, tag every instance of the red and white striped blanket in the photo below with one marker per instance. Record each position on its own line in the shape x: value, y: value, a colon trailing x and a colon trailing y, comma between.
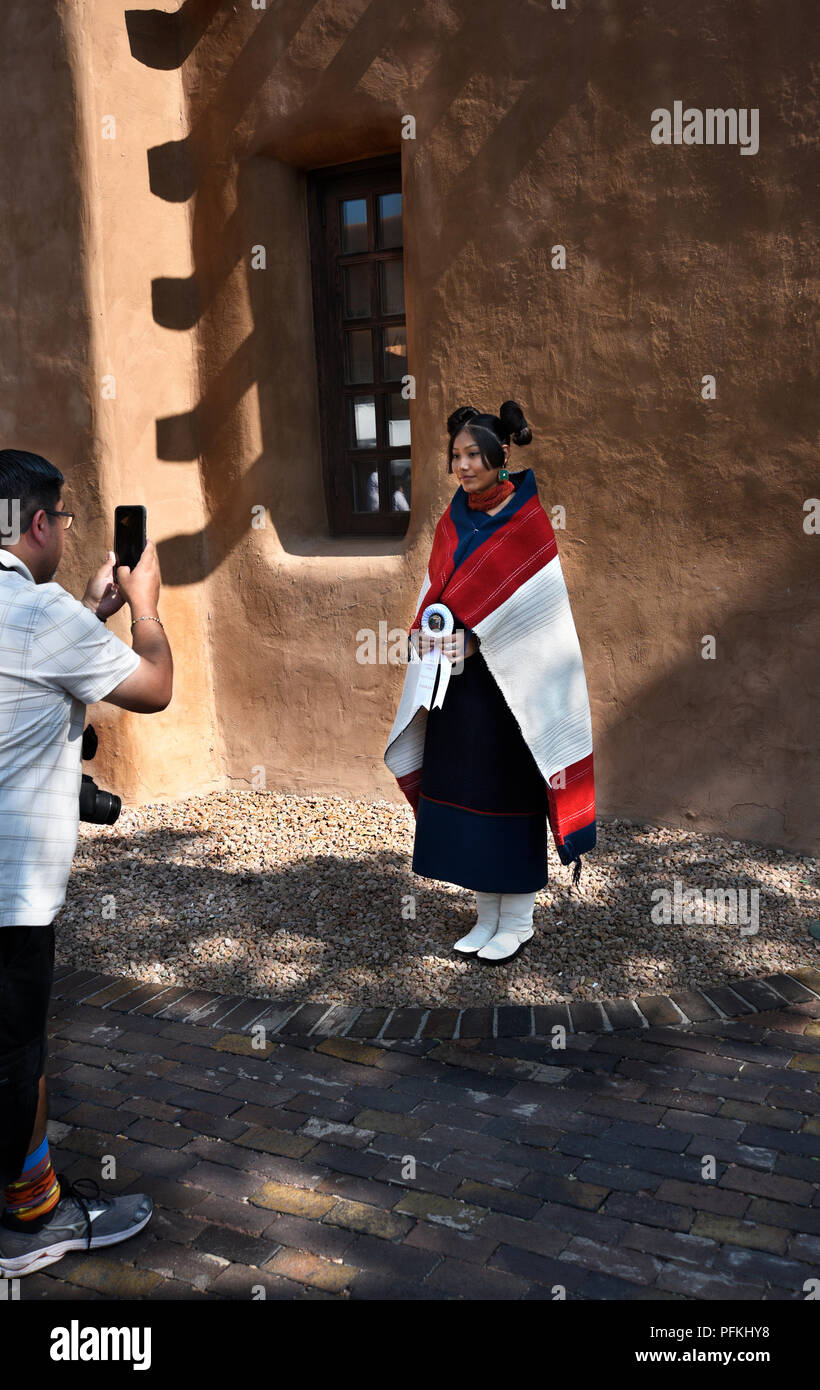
x: 511, y: 592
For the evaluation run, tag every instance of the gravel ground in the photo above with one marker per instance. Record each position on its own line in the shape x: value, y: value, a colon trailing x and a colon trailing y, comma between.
x: 312, y: 898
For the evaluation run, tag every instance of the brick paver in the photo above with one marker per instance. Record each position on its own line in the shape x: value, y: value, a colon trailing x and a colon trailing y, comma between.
x: 739, y: 999
x: 672, y: 1153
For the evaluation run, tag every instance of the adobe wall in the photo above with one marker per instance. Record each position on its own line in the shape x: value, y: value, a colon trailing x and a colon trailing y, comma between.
x: 684, y: 517
x: 86, y: 369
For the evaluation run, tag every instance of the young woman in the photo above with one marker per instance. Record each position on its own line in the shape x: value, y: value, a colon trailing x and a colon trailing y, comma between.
x: 510, y: 747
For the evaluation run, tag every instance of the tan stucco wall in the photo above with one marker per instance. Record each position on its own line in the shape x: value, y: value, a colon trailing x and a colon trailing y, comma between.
x: 684, y: 517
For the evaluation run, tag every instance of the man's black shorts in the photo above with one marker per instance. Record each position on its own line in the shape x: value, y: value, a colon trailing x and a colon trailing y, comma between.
x: 26, y: 971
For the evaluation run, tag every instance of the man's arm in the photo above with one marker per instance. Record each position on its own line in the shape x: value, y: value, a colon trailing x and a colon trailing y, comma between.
x: 149, y: 688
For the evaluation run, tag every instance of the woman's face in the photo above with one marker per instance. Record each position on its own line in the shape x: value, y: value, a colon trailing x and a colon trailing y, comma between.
x: 468, y: 464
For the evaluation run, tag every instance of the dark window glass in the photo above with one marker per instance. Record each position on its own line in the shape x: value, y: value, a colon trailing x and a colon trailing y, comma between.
x: 354, y: 224
x: 359, y: 356
x: 363, y: 422
x: 389, y: 219
x: 398, y: 422
x: 365, y: 487
x: 394, y: 344
x: 361, y: 345
x: 357, y: 279
x: 391, y: 286
x: 400, y: 485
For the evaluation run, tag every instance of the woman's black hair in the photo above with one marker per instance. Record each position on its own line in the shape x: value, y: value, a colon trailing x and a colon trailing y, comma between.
x: 31, y: 480
x: 489, y: 431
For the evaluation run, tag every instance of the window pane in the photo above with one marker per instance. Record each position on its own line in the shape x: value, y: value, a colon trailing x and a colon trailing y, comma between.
x: 354, y: 224
x: 357, y: 291
x: 363, y: 422
x: 398, y: 422
x: 399, y: 485
x: 394, y: 354
x: 366, y: 486
x: 391, y: 280
x: 358, y: 356
x: 389, y: 214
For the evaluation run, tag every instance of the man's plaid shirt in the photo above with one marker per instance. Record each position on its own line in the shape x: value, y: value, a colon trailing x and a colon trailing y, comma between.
x: 55, y: 658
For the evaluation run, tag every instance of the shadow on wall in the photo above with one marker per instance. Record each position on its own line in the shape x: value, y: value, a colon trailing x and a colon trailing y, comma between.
x: 589, y: 55
x: 201, y: 163
x: 271, y: 359
x: 164, y: 39
x: 717, y: 208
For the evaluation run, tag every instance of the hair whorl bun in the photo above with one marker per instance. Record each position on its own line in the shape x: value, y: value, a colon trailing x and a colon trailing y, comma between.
x: 515, y: 425
x: 491, y: 433
x: 460, y: 418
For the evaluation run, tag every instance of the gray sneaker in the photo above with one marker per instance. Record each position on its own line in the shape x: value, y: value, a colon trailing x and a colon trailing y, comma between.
x: 78, y: 1222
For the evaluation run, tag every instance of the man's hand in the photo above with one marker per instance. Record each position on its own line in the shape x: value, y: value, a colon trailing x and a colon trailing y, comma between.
x: 141, y: 585
x: 148, y: 689
x: 102, y: 595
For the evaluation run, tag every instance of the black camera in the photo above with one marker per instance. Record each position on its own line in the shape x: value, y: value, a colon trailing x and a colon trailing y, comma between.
x: 100, y: 807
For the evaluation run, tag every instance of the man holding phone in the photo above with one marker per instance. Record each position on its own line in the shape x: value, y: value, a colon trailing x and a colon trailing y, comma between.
x: 56, y: 656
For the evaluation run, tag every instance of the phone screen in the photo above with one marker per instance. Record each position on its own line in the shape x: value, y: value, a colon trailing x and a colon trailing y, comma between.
x: 129, y: 535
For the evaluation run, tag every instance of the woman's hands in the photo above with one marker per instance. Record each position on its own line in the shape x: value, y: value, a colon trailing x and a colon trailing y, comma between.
x: 449, y: 646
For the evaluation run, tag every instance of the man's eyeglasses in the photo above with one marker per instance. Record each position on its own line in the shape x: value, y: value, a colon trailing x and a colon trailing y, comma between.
x: 68, y: 517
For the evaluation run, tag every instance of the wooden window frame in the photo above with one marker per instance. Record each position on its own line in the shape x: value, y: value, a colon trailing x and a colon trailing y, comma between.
x: 326, y: 188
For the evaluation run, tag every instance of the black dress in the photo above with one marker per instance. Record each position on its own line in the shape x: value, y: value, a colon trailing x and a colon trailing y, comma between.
x: 482, y: 813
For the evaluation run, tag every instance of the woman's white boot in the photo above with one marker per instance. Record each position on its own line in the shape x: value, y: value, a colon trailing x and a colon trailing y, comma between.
x: 514, y: 929
x: 489, y: 907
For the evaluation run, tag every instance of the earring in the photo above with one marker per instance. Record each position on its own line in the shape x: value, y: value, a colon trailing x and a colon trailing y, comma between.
x: 503, y: 473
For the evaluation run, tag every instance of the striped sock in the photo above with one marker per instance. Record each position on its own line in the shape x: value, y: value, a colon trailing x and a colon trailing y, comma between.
x: 36, y: 1192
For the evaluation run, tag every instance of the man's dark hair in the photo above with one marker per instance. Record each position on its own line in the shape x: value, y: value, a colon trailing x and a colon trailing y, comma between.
x: 31, y: 479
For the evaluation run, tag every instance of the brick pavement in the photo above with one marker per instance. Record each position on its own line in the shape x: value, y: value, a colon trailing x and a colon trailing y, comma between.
x: 734, y: 999
x: 668, y: 1160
